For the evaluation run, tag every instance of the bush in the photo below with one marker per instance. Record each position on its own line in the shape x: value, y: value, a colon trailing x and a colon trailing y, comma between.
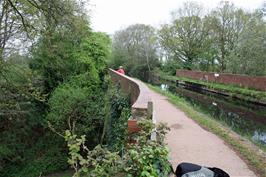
x: 46, y: 156
x: 66, y: 53
x: 67, y: 67
x: 97, y: 162
x: 145, y: 158
x: 21, y: 116
x: 116, y: 124
x: 79, y: 106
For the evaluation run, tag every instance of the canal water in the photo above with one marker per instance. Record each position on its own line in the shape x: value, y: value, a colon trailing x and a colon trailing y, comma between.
x: 244, y: 118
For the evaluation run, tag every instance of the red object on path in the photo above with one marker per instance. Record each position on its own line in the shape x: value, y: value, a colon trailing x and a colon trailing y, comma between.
x: 121, y: 71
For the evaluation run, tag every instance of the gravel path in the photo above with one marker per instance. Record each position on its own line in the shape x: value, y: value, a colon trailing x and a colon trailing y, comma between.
x: 188, y: 142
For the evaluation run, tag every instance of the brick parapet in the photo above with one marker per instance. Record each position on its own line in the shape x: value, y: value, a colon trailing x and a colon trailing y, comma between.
x: 254, y: 82
x: 139, y: 94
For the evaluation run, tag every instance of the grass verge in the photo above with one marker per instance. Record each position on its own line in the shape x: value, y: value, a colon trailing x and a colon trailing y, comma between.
x: 252, y: 155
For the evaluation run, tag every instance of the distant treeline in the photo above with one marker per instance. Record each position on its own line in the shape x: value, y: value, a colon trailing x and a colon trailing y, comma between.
x: 225, y: 39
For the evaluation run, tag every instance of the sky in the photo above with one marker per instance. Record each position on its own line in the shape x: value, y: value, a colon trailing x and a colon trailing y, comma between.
x: 113, y: 15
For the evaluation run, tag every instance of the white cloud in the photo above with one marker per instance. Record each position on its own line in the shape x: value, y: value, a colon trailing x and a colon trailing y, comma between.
x: 112, y: 15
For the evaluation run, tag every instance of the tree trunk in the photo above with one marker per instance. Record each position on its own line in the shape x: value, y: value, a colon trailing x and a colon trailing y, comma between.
x: 148, y: 64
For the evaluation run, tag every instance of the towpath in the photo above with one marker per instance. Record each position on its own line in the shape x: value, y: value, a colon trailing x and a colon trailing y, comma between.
x: 188, y: 142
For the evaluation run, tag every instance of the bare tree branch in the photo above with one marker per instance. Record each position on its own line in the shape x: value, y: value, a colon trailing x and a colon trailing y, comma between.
x: 25, y: 25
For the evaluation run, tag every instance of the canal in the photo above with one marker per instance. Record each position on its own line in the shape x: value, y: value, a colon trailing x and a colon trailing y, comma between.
x: 246, y: 118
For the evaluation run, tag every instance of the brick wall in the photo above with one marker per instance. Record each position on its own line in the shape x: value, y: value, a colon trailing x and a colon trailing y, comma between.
x: 141, y: 105
x: 127, y: 86
x: 255, y: 82
x: 138, y: 91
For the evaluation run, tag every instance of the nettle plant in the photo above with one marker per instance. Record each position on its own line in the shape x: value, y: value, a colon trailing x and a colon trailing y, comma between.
x: 97, y: 162
x: 145, y: 158
x: 148, y: 157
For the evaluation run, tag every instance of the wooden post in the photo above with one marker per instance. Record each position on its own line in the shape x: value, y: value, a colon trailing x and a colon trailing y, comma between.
x: 150, y: 110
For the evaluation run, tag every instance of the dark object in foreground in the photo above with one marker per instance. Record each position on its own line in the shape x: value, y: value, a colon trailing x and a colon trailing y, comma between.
x: 193, y: 170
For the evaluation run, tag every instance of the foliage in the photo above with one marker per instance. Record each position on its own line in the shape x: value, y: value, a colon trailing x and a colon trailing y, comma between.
x: 82, y: 108
x: 27, y: 147
x: 98, y: 48
x: 169, y: 66
x: 22, y: 21
x: 146, y: 158
x: 97, y: 162
x: 20, y: 114
x: 67, y: 57
x: 184, y: 39
x: 224, y: 39
x: 249, y: 57
x: 87, y: 109
x: 116, y: 120
x: 116, y: 112
x: 227, y: 23
x: 60, y: 55
x: 227, y: 39
x: 135, y: 48
x: 46, y: 156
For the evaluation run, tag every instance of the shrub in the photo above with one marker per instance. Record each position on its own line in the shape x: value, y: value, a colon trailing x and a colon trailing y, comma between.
x: 148, y: 157
x: 46, y: 156
x: 97, y: 162
x: 145, y: 158
x: 78, y: 105
x: 116, y: 123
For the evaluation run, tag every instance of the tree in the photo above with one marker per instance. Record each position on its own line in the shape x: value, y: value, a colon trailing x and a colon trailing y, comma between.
x: 227, y: 23
x: 22, y: 20
x: 64, y: 48
x: 248, y: 57
x: 69, y: 51
x: 184, y: 39
x: 207, y: 43
x: 136, y: 48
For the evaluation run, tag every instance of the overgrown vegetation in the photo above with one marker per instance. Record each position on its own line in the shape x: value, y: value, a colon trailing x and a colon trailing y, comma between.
x: 251, y: 154
x: 59, y: 83
x: 116, y: 121
x: 144, y: 158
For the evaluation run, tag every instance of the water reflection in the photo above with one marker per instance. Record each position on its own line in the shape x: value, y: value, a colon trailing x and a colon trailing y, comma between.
x: 241, y: 119
x: 164, y: 87
x: 260, y: 137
